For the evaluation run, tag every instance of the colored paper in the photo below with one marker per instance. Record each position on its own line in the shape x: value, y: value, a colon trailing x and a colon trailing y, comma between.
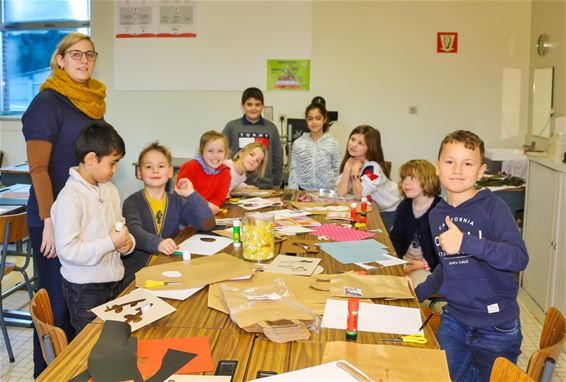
x: 339, y: 233
x: 360, y: 251
x: 206, y: 245
x: 151, y: 353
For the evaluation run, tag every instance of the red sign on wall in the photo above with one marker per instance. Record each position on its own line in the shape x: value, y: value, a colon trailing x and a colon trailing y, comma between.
x: 447, y: 42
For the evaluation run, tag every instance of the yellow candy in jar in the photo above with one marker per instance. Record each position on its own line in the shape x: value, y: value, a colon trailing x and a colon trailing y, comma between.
x: 258, y: 236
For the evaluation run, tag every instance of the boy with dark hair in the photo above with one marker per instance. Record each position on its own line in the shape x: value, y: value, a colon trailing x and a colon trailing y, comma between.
x: 252, y: 127
x: 480, y: 249
x: 89, y: 233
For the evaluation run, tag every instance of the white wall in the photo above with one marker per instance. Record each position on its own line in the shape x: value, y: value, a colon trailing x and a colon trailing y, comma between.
x: 371, y: 61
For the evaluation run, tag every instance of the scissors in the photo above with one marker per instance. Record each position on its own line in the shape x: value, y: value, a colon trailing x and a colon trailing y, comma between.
x: 158, y: 283
x: 413, y: 339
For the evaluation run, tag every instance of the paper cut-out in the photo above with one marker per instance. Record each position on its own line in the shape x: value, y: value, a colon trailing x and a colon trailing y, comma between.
x: 337, y: 233
x: 128, y: 309
x: 204, y: 244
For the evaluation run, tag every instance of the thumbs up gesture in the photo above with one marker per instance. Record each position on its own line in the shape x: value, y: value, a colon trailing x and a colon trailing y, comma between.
x: 451, y: 240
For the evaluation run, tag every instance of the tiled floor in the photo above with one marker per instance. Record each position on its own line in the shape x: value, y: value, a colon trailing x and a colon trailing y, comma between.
x: 21, y: 339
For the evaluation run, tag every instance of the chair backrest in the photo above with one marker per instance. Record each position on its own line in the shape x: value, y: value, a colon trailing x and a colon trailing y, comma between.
x: 42, y: 317
x: 18, y: 226
x: 551, y: 342
x: 505, y: 370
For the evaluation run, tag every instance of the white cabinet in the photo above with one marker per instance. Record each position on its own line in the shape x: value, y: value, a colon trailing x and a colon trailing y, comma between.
x: 544, y: 231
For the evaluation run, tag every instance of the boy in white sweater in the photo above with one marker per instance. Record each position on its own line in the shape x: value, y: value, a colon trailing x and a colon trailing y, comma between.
x: 89, y: 233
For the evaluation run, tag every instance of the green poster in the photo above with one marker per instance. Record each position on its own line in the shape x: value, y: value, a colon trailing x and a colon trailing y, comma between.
x: 288, y: 74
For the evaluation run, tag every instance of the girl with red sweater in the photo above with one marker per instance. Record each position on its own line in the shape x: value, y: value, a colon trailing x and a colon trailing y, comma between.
x: 208, y: 173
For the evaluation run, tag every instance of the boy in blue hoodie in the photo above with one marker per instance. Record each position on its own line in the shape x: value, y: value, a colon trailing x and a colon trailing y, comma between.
x: 480, y: 249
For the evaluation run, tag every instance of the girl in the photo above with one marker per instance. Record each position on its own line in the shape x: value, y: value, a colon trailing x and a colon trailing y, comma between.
x: 153, y: 216
x: 208, y: 173
x: 411, y: 234
x: 315, y: 156
x: 249, y: 159
x: 67, y: 101
x: 362, y: 171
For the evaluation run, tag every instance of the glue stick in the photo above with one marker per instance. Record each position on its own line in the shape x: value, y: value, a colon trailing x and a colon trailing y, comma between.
x: 352, y: 323
x: 236, y: 233
x: 353, y: 208
x: 364, y: 210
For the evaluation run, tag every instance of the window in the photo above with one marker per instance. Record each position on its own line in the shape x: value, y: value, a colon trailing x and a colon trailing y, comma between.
x: 29, y: 33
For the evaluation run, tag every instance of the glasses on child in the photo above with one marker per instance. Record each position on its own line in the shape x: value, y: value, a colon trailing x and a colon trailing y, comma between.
x: 77, y: 55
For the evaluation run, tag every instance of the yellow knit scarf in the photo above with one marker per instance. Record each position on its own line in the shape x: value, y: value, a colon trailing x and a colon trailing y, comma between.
x: 87, y: 97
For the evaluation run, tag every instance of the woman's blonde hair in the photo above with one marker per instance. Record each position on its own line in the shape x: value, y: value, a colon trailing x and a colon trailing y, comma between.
x: 425, y: 171
x: 67, y: 42
x: 213, y: 135
x: 260, y: 171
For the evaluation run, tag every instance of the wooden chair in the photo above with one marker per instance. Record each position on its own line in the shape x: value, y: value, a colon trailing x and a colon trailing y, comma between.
x: 505, y: 370
x: 52, y: 339
x: 551, y: 343
x: 14, y: 229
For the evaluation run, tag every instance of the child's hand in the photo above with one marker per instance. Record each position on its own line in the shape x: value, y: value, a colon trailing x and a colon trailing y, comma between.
x: 355, y: 168
x: 414, y: 265
x: 167, y: 246
x: 121, y: 240
x: 184, y: 187
x: 451, y: 240
x: 214, y: 208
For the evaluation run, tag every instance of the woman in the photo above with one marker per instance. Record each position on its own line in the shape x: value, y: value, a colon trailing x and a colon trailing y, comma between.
x: 67, y: 101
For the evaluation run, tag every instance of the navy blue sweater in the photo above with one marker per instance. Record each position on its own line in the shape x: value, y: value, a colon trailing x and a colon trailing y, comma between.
x: 479, y: 282
x: 405, y: 227
x: 52, y: 117
x: 192, y: 210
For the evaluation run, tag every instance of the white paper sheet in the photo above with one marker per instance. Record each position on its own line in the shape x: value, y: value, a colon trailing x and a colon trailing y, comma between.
x: 293, y: 230
x: 325, y: 372
x: 174, y: 294
x: 204, y: 244
x: 374, y: 318
x: 390, y: 261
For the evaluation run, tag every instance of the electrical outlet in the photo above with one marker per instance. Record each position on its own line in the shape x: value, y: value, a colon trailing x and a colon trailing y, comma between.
x: 413, y: 110
x: 282, y: 117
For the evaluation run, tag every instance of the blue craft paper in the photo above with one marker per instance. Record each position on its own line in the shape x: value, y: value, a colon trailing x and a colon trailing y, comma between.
x: 358, y: 251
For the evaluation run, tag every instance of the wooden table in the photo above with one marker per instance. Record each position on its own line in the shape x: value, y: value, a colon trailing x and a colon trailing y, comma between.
x: 18, y: 173
x: 252, y: 351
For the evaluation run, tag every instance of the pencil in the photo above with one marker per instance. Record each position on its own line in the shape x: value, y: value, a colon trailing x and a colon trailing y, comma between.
x: 425, y: 322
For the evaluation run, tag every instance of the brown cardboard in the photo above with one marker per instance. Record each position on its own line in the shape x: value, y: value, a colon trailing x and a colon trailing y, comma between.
x: 350, y: 284
x: 302, y: 205
x: 197, y: 272
x: 391, y: 363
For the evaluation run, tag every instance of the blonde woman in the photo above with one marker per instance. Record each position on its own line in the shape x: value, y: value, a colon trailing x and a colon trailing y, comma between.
x: 67, y: 101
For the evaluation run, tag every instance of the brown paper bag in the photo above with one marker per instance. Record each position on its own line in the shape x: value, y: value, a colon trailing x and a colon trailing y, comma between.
x: 254, y: 309
x: 299, y: 286
x: 391, y: 363
x: 198, y: 272
x: 350, y: 284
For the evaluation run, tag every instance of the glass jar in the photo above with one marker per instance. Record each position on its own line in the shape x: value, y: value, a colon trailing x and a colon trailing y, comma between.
x: 258, y: 236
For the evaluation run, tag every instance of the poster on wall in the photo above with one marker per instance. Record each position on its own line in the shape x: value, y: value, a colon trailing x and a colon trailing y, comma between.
x: 150, y: 19
x: 447, y: 42
x: 288, y: 74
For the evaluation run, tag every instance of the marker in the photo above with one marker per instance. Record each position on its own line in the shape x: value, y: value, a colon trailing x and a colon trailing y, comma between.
x: 425, y: 322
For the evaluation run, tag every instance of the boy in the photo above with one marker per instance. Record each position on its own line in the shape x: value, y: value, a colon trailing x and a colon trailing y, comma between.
x: 89, y: 235
x: 153, y: 216
x: 252, y: 127
x: 480, y: 249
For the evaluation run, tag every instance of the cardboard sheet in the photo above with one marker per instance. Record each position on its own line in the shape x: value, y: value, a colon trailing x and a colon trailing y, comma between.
x: 196, y: 273
x: 293, y: 265
x: 391, y: 363
x: 326, y: 207
x: 326, y: 372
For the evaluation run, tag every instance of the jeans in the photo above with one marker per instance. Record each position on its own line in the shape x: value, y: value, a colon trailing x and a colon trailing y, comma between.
x: 81, y: 298
x: 471, y: 351
x: 49, y: 274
